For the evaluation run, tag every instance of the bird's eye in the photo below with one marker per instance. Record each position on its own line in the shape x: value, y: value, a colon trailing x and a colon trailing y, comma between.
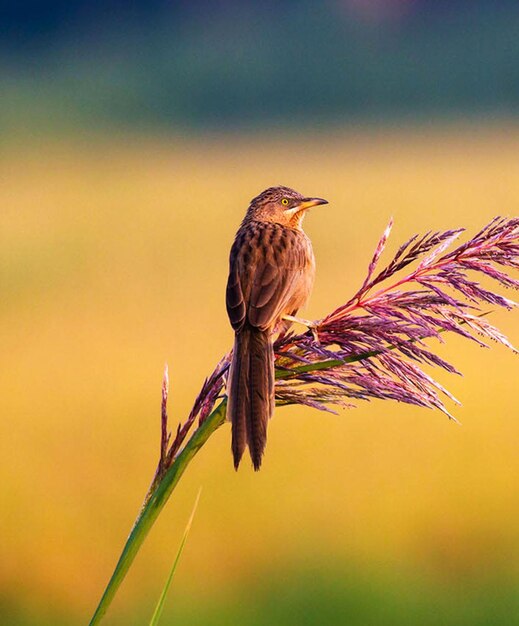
x: 284, y: 202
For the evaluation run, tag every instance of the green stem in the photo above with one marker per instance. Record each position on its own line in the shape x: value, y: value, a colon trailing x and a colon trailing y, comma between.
x: 325, y: 365
x: 154, y: 503
x: 162, y: 487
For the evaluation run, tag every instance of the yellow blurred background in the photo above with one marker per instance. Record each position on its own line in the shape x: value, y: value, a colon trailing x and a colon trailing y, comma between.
x: 114, y: 260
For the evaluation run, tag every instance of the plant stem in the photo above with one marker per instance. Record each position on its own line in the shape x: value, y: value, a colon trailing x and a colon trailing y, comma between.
x: 163, y: 485
x: 154, y: 502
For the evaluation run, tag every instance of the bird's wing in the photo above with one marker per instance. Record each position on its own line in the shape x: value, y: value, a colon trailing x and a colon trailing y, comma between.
x: 266, y: 265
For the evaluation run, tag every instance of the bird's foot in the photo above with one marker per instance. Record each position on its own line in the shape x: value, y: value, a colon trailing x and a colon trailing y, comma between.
x: 312, y: 326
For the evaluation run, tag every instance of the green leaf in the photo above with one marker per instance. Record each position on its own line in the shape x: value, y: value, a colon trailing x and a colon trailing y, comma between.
x: 160, y: 604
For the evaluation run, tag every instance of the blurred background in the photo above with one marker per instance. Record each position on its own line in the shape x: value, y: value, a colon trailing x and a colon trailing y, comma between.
x: 133, y: 136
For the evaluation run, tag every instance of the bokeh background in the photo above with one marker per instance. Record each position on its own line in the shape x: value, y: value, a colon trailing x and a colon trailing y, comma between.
x: 132, y: 137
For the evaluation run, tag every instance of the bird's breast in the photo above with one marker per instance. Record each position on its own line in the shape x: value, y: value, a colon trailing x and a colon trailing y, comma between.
x: 304, y: 279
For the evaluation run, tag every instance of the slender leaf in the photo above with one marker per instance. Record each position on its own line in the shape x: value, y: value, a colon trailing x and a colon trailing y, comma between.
x: 160, y: 604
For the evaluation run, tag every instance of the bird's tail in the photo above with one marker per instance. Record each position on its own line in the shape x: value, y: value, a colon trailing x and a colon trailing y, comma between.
x: 251, y: 392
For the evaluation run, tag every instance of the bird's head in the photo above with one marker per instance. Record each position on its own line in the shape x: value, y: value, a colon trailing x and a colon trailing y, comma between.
x: 281, y: 205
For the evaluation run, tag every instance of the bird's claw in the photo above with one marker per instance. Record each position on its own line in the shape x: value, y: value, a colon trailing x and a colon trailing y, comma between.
x: 312, y: 326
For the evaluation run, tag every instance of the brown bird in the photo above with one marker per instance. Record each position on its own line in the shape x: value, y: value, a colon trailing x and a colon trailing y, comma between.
x: 271, y: 275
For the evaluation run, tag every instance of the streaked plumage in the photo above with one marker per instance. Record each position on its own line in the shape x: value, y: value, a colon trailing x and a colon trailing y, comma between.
x: 271, y: 274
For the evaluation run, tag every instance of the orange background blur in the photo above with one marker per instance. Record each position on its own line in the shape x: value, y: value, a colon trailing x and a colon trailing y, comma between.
x: 114, y: 260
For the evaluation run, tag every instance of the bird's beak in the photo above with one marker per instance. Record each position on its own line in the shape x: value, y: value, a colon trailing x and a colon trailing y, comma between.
x: 307, y: 203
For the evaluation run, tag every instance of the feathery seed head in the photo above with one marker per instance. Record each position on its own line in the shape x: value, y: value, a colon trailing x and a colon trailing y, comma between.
x: 375, y: 345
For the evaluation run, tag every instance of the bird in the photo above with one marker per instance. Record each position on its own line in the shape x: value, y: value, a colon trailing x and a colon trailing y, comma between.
x: 271, y: 276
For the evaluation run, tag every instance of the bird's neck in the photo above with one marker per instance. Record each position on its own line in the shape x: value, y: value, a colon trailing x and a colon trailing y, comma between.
x: 297, y: 220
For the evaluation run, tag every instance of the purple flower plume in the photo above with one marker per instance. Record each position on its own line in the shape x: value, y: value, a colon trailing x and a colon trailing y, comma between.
x: 376, y: 345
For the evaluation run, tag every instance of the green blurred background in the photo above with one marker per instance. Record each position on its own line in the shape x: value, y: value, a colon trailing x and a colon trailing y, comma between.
x: 133, y: 138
